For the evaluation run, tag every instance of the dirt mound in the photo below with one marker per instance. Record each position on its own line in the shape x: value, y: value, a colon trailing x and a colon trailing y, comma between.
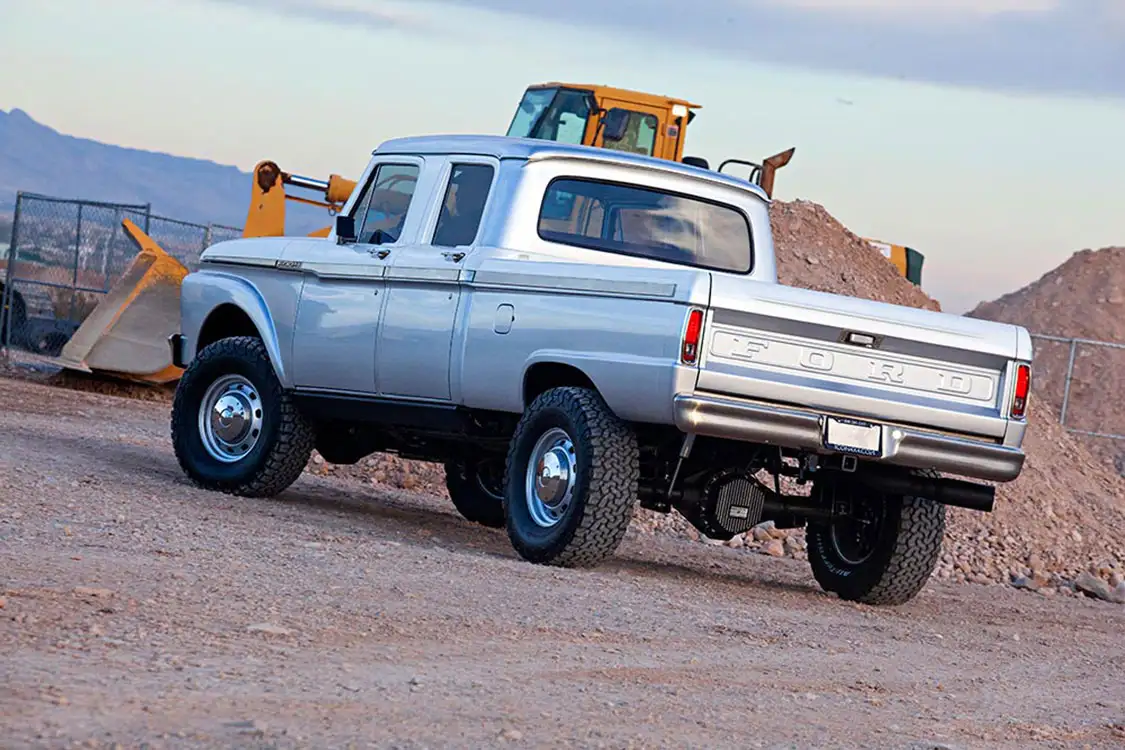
x: 1082, y: 298
x: 815, y: 251
x: 1064, y: 515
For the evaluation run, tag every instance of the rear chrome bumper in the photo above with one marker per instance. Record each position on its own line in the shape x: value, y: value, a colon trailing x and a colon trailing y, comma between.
x: 737, y: 419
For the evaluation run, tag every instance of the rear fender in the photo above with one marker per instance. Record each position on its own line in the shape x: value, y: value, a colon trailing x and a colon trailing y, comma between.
x: 204, y: 292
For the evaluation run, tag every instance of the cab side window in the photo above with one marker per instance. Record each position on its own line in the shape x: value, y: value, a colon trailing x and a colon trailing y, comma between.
x: 640, y: 134
x: 386, y: 201
x: 463, y: 206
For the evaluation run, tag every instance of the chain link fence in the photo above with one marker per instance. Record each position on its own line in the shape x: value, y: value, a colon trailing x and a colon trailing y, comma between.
x: 1081, y: 381
x: 66, y: 254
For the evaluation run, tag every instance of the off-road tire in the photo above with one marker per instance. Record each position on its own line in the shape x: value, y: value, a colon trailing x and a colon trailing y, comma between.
x: 606, y: 476
x: 286, y: 439
x: 903, y: 559
x: 470, y: 499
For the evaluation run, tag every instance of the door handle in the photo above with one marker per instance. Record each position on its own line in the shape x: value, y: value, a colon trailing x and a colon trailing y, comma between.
x: 380, y: 253
x: 452, y: 256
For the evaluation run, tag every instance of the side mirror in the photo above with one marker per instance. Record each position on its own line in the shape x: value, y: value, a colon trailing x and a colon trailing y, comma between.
x: 345, y: 229
x: 614, y: 123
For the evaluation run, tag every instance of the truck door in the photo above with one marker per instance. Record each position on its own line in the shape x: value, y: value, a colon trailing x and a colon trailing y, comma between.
x: 424, y: 286
x: 342, y: 296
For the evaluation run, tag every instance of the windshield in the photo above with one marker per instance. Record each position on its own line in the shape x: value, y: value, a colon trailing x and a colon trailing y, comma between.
x: 531, y: 107
x: 552, y: 114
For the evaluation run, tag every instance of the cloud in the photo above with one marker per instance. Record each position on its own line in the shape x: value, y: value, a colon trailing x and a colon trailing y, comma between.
x: 364, y: 13
x: 1072, y: 47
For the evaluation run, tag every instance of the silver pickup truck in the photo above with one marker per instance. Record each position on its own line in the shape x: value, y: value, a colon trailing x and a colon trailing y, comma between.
x: 573, y: 331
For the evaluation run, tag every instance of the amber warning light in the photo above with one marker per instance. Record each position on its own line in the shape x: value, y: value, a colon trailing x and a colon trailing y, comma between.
x: 692, y: 334
x: 1023, y: 387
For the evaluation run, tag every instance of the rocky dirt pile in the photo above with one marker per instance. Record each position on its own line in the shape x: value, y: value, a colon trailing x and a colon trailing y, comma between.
x: 815, y: 251
x: 1082, y: 298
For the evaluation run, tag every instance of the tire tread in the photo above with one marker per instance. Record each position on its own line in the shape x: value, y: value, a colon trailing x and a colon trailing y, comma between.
x: 295, y: 437
x: 916, y: 548
x: 614, y: 474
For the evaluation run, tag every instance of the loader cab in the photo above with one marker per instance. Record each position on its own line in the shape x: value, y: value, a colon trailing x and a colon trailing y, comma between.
x: 605, y: 117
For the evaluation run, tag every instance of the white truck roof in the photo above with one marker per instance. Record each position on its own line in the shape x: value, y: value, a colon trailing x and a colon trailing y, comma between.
x: 534, y: 149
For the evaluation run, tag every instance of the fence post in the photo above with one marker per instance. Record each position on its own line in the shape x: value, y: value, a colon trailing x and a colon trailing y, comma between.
x: 77, y: 262
x: 6, y: 299
x: 148, y: 217
x: 1069, y: 376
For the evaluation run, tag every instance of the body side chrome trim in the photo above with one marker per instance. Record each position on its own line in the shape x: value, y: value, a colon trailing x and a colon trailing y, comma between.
x: 536, y: 282
x: 342, y: 270
x: 484, y: 279
x: 410, y: 273
x: 238, y: 260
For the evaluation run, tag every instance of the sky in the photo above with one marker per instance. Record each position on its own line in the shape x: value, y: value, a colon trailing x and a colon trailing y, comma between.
x: 986, y: 134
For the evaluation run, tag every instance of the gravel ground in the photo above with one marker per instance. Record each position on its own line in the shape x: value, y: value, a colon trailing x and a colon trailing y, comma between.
x: 139, y: 611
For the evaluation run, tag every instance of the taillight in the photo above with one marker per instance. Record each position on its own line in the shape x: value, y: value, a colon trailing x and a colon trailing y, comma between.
x: 1023, y: 387
x: 689, y: 352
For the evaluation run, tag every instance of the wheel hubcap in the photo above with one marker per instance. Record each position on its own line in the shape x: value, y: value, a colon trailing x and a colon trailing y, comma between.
x: 549, y: 485
x: 230, y: 418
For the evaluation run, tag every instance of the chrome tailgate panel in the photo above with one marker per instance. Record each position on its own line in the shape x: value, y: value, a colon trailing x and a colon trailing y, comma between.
x: 791, y: 346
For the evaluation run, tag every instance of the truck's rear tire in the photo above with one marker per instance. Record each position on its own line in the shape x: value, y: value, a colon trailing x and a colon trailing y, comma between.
x: 572, y: 475
x: 477, y: 496
x: 882, y: 556
x: 234, y: 429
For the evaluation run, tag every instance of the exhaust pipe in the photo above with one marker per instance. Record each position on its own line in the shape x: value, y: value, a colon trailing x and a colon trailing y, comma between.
x: 955, y: 492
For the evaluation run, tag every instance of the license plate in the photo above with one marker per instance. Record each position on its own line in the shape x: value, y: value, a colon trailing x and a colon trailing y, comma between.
x: 853, y: 436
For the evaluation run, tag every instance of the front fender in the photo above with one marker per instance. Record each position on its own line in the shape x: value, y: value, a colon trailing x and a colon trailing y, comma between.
x: 203, y: 292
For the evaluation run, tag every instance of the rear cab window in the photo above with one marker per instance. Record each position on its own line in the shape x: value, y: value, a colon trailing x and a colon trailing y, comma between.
x: 646, y: 222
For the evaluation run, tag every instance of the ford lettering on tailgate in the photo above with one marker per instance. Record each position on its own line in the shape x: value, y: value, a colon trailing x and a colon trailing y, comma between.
x: 860, y: 365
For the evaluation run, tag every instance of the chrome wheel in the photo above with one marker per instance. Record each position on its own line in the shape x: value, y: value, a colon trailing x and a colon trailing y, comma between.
x: 230, y: 418
x: 549, y: 485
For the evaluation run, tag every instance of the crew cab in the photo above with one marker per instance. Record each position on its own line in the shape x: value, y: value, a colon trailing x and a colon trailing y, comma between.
x: 574, y: 331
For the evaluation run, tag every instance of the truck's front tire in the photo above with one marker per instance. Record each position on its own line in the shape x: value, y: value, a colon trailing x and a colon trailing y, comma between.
x: 572, y: 477
x: 884, y: 554
x: 234, y: 429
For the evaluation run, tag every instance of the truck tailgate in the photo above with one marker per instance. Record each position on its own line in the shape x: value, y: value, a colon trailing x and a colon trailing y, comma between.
x: 853, y: 357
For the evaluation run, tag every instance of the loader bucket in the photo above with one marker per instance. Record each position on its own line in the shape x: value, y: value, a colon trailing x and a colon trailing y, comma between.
x: 126, y: 335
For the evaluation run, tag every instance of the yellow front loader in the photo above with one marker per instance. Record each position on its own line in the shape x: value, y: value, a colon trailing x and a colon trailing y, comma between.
x: 623, y: 120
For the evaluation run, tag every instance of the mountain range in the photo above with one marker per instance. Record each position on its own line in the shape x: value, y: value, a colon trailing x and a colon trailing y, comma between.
x: 36, y: 158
